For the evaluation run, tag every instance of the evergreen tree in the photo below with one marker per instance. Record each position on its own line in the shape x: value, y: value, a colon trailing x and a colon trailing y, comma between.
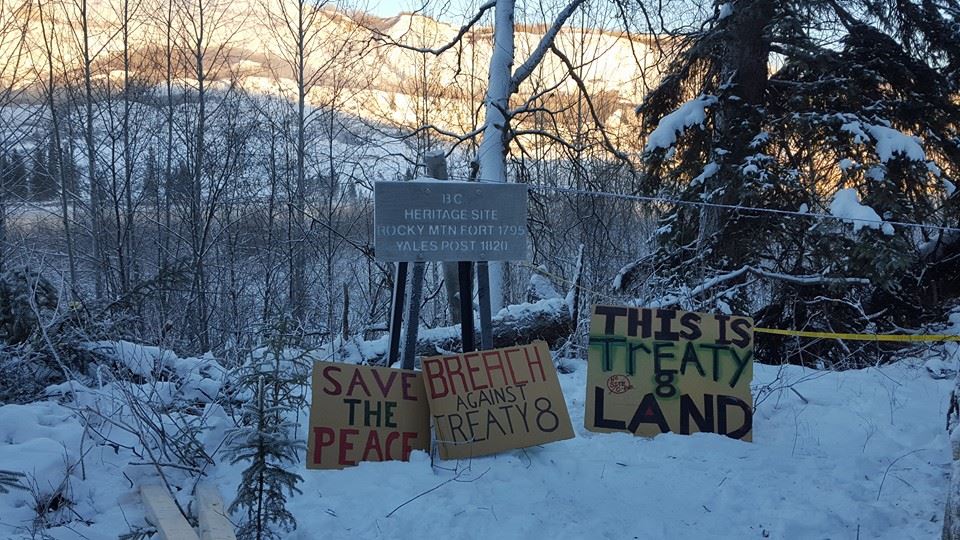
x: 266, y: 438
x: 864, y: 102
x: 14, y: 177
x: 43, y: 178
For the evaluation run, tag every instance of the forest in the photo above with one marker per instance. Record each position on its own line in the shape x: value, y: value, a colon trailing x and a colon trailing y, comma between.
x: 187, y: 211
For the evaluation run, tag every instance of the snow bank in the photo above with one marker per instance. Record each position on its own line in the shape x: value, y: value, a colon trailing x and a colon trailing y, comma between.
x: 847, y: 206
x: 691, y: 113
x: 866, y: 452
x: 836, y: 454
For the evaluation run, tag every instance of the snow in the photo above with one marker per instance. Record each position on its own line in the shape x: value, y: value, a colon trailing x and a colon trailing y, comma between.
x: 836, y: 454
x: 540, y: 287
x: 891, y: 142
x: 689, y: 114
x: 726, y: 10
x: 820, y: 469
x: 846, y: 206
x: 708, y: 172
x: 949, y: 187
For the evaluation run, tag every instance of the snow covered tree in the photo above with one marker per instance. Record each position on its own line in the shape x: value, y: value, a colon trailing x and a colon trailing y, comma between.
x: 267, y: 439
x: 859, y: 121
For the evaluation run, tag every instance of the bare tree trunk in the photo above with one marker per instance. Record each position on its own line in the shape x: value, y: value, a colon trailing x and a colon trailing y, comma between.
x: 129, y: 231
x: 744, y: 63
x: 492, y: 154
x: 55, y: 121
x: 96, y: 220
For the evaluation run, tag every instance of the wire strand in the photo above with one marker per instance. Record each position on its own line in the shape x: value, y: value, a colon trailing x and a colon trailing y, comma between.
x: 704, y: 204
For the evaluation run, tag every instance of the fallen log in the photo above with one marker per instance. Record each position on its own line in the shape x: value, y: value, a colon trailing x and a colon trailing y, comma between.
x: 548, y: 320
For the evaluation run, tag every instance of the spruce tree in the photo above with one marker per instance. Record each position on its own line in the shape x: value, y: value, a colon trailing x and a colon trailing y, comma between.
x: 266, y: 438
x: 849, y: 90
x: 15, y: 179
x: 43, y: 177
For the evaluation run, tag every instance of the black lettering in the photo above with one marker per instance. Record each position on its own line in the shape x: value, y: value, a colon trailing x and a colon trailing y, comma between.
x: 610, y: 315
x: 457, y: 428
x: 649, y: 413
x: 691, y: 326
x: 665, y: 333
x: 473, y: 423
x: 544, y: 415
x: 665, y: 387
x: 598, y: 419
x: 639, y: 317
x: 484, y: 398
x: 722, y: 403
x: 523, y: 415
x: 722, y: 331
x: 688, y: 409
x: 741, y: 327
x: 492, y: 420
x: 506, y: 409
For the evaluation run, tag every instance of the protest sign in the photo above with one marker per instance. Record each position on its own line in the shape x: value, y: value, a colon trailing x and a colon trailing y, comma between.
x: 489, y: 401
x: 364, y: 413
x: 656, y: 370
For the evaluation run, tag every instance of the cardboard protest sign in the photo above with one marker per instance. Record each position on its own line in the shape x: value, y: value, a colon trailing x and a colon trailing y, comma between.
x: 364, y: 413
x: 489, y: 401
x: 656, y: 370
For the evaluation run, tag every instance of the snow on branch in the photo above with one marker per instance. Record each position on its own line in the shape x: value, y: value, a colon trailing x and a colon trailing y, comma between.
x: 691, y: 113
x: 846, y: 206
x: 813, y: 279
x: 546, y: 41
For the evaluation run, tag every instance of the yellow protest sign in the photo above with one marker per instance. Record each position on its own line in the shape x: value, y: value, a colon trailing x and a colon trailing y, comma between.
x: 365, y: 413
x: 489, y: 401
x: 656, y: 370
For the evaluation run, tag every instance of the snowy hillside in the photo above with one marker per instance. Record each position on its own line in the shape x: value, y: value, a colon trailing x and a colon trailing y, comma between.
x: 854, y: 454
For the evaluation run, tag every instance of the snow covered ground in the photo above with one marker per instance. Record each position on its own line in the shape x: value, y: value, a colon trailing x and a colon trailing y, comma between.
x: 855, y: 454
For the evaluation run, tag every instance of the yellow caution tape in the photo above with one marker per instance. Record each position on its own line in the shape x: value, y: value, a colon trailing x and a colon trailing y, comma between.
x: 800, y: 333
x: 857, y: 337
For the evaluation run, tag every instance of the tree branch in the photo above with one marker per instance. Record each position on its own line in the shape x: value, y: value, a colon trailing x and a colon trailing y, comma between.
x: 546, y: 41
x: 437, y: 52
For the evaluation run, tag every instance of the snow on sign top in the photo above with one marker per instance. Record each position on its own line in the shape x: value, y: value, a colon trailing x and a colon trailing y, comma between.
x: 650, y: 371
x: 450, y: 221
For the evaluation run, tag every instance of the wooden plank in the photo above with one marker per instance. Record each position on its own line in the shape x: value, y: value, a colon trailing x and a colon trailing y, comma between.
x: 163, y: 513
x: 214, y: 524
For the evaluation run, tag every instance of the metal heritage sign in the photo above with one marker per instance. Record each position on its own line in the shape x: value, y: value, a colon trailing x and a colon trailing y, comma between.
x: 430, y: 220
